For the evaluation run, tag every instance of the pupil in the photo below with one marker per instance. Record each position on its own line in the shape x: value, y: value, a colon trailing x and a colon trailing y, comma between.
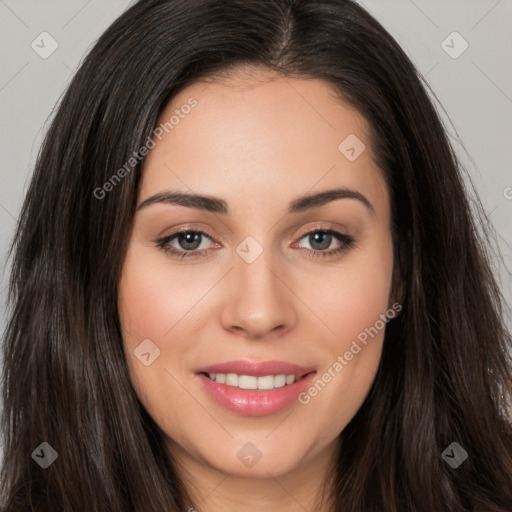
x: 322, y: 238
x: 189, y: 238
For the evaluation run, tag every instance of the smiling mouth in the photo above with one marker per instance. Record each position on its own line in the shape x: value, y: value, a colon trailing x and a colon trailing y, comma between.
x: 253, y: 388
x: 252, y: 382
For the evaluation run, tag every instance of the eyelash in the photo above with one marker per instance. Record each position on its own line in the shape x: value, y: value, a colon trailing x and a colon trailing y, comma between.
x: 164, y: 243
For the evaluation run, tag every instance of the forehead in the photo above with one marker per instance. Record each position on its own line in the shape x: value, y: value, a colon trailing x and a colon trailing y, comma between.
x: 262, y: 135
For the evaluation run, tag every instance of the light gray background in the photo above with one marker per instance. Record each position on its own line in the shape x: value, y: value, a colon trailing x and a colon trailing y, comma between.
x: 475, y: 89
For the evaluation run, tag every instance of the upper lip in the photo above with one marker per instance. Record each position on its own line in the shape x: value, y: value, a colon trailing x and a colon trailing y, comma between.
x: 257, y: 369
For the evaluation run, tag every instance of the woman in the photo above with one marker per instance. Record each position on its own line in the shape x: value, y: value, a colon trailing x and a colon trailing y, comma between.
x: 367, y: 370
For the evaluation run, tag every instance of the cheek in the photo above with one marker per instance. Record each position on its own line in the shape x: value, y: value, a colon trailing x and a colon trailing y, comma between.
x: 153, y: 298
x: 151, y: 303
x: 355, y: 295
x: 162, y: 304
x: 352, y: 305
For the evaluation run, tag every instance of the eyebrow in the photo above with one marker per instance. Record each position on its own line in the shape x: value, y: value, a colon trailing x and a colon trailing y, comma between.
x: 217, y: 205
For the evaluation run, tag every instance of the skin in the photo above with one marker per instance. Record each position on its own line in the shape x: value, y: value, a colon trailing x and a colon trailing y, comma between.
x: 258, y: 141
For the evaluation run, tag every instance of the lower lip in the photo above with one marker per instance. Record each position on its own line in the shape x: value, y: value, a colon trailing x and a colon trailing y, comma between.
x: 253, y: 402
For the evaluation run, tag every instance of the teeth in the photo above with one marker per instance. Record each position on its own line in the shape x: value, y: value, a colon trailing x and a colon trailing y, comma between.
x: 266, y: 382
x: 280, y: 381
x: 251, y: 382
x: 231, y: 379
x: 247, y: 382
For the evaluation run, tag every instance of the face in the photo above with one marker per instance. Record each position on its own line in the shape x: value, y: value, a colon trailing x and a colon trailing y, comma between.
x: 253, y: 319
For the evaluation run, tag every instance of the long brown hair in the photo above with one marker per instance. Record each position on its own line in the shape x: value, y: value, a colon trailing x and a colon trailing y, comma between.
x: 446, y: 372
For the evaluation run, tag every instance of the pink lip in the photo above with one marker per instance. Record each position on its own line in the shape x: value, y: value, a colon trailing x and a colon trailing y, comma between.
x: 254, y: 402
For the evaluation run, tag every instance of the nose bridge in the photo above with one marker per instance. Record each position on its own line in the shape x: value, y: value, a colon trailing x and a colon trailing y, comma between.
x: 253, y: 266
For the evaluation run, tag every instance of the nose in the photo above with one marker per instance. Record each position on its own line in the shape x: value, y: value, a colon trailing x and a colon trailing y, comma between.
x: 259, y: 301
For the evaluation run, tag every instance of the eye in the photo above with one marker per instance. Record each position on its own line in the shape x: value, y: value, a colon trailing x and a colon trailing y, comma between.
x: 321, y: 239
x: 184, y: 243
x: 194, y: 243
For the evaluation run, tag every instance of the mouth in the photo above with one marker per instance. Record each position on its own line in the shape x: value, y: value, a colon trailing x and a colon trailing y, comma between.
x: 255, y: 388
